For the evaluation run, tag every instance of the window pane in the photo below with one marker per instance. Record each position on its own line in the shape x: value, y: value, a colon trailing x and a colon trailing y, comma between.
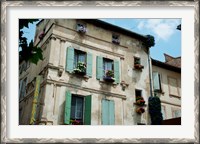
x: 79, y: 108
x: 81, y: 57
x: 73, y: 104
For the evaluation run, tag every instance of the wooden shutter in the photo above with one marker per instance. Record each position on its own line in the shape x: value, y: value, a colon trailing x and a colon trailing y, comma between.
x: 105, y: 112
x: 67, y: 107
x: 108, y: 112
x: 156, y: 82
x: 88, y: 108
x: 116, y: 71
x: 111, y: 113
x: 70, y: 60
x: 99, y: 68
x: 89, y: 65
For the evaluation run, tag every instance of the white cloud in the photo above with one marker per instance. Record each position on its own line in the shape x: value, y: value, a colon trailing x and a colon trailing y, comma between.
x: 162, y: 28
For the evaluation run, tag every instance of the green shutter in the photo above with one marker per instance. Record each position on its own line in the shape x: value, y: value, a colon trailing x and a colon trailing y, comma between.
x: 67, y: 108
x: 89, y: 65
x: 111, y: 113
x: 156, y: 84
x: 87, y: 112
x: 70, y: 60
x: 105, y: 112
x: 99, y: 68
x: 116, y: 71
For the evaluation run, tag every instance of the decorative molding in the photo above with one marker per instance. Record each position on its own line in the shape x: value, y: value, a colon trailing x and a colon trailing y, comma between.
x: 86, y: 89
x: 124, y: 85
x: 89, y: 46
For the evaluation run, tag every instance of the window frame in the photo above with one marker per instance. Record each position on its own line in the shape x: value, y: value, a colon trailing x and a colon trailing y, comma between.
x: 77, y: 53
x: 116, y: 38
x: 107, y: 60
x: 82, y: 110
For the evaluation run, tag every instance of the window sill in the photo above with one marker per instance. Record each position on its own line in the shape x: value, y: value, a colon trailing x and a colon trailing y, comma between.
x: 170, y: 95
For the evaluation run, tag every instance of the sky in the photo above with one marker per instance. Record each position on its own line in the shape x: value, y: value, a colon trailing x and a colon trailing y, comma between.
x: 167, y: 37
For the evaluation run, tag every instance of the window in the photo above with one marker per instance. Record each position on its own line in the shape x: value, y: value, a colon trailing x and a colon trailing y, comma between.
x: 79, y: 57
x: 115, y: 39
x: 176, y: 113
x: 108, y: 112
x: 77, y: 109
x: 136, y: 60
x: 78, y: 61
x: 139, y: 98
x: 107, y: 66
x: 157, y: 82
x: 137, y: 63
x: 22, y: 88
x: 107, y: 69
x: 81, y: 28
x: 173, y: 86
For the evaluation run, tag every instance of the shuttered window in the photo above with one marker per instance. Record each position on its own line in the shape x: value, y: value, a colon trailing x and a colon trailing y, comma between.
x: 77, y: 108
x: 105, y: 64
x: 108, y: 112
x: 74, y: 56
x: 156, y: 82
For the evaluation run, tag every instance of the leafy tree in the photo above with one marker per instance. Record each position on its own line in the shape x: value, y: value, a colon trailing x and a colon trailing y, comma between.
x: 28, y: 51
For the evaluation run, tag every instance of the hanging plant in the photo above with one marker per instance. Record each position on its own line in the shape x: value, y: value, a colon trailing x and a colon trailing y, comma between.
x: 155, y: 110
x: 140, y: 110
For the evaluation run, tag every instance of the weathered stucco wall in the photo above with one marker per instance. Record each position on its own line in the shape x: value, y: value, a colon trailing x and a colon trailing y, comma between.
x: 98, y: 41
x: 170, y: 102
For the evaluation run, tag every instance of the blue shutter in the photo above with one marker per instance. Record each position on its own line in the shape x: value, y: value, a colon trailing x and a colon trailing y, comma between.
x: 88, y: 108
x: 89, y: 65
x: 99, y: 67
x: 70, y: 60
x: 105, y: 112
x: 116, y: 71
x: 67, y: 108
x: 111, y: 113
x: 156, y: 83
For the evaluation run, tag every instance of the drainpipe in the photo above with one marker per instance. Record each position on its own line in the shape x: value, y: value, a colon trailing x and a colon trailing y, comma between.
x: 150, y: 72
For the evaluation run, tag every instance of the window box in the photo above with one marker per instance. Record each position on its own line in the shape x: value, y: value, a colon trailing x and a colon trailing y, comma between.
x: 140, y: 110
x: 109, y: 77
x: 138, y: 66
x: 80, y: 69
x: 140, y: 100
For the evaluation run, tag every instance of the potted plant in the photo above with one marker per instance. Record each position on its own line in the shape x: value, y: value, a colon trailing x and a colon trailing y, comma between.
x: 75, y: 122
x: 109, y: 77
x: 80, y: 69
x: 140, y: 101
x: 137, y: 65
x: 140, y: 110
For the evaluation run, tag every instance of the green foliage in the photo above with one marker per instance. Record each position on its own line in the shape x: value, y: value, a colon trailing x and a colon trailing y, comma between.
x: 155, y: 110
x: 150, y: 42
x: 28, y: 52
x: 110, y: 73
x: 81, y: 67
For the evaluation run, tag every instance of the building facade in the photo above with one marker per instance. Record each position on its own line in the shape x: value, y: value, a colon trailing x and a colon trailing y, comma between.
x: 167, y: 85
x: 93, y: 73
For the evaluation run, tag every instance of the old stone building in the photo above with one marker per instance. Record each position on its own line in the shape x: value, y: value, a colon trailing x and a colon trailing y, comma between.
x: 93, y: 73
x: 167, y: 85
